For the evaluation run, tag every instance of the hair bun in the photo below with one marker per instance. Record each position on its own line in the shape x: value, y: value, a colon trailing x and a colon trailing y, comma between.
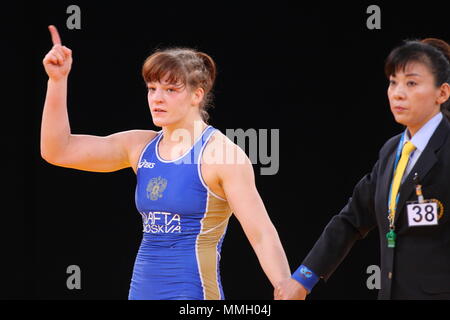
x: 209, y: 64
x: 439, y: 44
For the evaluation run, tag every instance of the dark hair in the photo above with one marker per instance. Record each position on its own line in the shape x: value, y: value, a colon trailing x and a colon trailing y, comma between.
x: 432, y: 52
x: 183, y: 65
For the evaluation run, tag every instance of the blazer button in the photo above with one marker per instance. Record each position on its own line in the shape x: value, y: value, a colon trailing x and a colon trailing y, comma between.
x: 390, y: 275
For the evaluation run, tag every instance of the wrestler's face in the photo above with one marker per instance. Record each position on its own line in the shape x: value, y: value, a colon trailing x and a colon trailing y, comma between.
x: 413, y: 96
x: 172, y: 103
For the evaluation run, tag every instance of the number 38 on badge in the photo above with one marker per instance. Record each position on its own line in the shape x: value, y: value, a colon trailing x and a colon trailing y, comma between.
x: 424, y: 212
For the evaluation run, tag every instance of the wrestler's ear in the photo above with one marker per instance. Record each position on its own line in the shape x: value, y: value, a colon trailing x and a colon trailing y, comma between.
x: 197, y: 96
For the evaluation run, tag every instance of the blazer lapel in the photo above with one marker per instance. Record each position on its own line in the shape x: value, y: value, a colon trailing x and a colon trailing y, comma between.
x: 425, y: 162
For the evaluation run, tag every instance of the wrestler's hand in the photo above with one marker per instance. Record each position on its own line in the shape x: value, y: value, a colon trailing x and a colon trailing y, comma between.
x: 290, y: 289
x: 58, y: 61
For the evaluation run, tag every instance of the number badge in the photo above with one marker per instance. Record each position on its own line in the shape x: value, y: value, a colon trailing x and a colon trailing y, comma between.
x: 422, y: 214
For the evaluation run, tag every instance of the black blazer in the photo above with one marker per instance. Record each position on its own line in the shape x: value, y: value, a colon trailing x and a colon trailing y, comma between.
x: 419, y: 266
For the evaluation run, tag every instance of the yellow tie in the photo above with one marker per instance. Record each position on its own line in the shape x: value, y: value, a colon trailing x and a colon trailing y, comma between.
x: 401, y: 166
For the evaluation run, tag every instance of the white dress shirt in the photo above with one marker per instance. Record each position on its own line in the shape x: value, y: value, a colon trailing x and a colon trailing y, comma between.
x: 420, y: 141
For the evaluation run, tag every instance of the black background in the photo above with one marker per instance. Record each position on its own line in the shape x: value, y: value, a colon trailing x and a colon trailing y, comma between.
x: 314, y: 71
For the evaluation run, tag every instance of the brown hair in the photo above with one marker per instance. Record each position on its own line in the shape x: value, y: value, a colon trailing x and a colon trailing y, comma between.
x: 183, y: 65
x: 435, y: 53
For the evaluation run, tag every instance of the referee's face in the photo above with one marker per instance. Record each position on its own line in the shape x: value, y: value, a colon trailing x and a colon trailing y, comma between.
x: 413, y: 96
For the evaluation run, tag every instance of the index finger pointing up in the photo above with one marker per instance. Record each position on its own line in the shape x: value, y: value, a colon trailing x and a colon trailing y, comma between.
x: 55, y: 35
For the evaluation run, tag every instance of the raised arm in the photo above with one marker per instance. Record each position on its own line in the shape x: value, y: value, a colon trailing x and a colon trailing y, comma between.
x: 84, y: 152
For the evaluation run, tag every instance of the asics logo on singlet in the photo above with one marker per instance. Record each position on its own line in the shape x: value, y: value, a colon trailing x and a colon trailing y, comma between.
x: 146, y: 164
x: 161, y: 222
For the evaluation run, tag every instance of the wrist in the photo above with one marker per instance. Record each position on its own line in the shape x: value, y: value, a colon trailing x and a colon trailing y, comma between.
x: 307, y: 278
x: 58, y: 80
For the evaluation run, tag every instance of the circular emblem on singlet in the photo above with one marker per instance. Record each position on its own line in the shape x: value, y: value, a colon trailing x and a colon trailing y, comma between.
x: 155, y: 188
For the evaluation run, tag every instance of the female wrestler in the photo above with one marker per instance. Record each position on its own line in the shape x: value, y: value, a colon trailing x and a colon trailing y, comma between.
x: 413, y: 166
x: 186, y: 186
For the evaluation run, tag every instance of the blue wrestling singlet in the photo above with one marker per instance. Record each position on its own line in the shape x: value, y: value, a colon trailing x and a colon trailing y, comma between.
x: 184, y: 226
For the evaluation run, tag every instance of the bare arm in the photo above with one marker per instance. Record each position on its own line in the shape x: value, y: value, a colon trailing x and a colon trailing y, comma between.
x: 55, y: 128
x: 238, y: 183
x: 58, y: 145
